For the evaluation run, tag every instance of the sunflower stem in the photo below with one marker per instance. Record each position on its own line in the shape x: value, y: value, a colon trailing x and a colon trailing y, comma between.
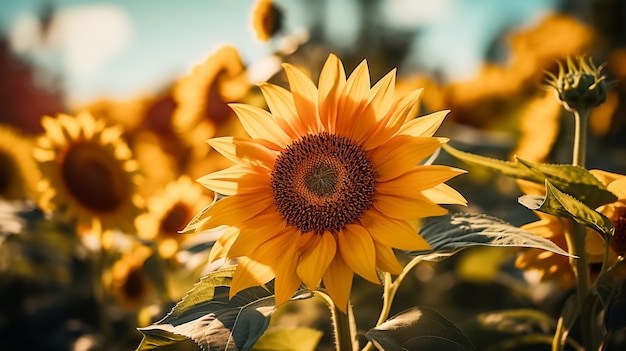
x: 581, y: 119
x: 340, y: 322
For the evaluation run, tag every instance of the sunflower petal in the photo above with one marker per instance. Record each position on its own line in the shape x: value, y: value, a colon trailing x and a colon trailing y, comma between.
x: 305, y: 97
x: 354, y: 98
x: 249, y: 273
x: 386, y: 259
x: 244, y: 151
x: 424, y: 126
x: 404, y: 207
x: 315, y: 260
x: 338, y: 282
x: 379, y: 102
x: 256, y: 231
x: 260, y: 124
x: 392, y: 232
x: 238, y: 179
x: 419, y: 178
x: 401, y: 154
x: 222, y: 245
x: 280, y: 102
x: 331, y: 84
x: 444, y: 194
x: 54, y: 131
x: 357, y: 250
x: 235, y: 209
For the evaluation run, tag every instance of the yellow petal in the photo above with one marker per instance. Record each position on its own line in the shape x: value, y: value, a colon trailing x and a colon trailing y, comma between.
x: 235, y: 209
x: 304, y: 96
x: 280, y: 102
x: 249, y: 273
x: 424, y: 126
x: 331, y: 84
x: 223, y: 244
x: 338, y: 282
x: 287, y: 279
x: 417, y: 179
x: 260, y: 124
x: 404, y: 207
x: 357, y: 250
x: 53, y: 130
x: 353, y: 98
x: 255, y: 232
x: 238, y: 179
x: 401, y: 154
x: 370, y: 120
x: 270, y: 251
x: 392, y: 232
x: 315, y: 259
x: 386, y: 259
x: 444, y: 194
x: 245, y: 151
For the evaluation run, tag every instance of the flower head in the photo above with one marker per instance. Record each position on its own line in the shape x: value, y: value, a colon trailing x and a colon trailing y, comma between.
x: 267, y: 19
x: 327, y: 183
x: 87, y: 172
x: 581, y: 87
x: 128, y: 282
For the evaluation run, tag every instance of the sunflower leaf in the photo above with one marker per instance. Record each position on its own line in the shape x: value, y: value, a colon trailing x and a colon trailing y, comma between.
x: 452, y: 232
x: 293, y: 339
x: 212, y: 320
x: 573, y: 180
x: 418, y: 328
x: 560, y: 204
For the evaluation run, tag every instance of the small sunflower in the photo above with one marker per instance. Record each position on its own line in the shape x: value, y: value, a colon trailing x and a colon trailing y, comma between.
x: 169, y: 212
x: 87, y: 172
x: 19, y: 173
x: 267, y: 19
x: 127, y: 281
x: 326, y: 184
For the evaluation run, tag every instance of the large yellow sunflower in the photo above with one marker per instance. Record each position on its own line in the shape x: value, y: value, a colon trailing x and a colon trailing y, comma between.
x: 326, y: 184
x: 19, y: 173
x: 87, y: 172
x: 169, y: 212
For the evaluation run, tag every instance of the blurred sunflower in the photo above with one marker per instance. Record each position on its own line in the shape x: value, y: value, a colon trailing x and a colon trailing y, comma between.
x: 87, y: 172
x: 127, y: 281
x: 553, y: 267
x: 326, y: 184
x: 19, y: 173
x: 169, y: 212
x: 267, y: 19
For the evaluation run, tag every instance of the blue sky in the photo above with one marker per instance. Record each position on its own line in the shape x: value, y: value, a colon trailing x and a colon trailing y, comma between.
x: 122, y: 48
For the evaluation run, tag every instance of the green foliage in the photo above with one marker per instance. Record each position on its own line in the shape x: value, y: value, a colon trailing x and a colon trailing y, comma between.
x: 560, y: 204
x: 450, y: 233
x: 418, y: 328
x: 296, y: 339
x: 210, y: 319
x: 573, y: 180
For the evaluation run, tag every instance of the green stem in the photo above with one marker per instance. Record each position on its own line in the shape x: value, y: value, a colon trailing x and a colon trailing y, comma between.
x: 341, y: 324
x: 580, y: 137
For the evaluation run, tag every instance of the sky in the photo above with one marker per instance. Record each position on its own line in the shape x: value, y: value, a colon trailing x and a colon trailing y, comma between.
x: 122, y: 48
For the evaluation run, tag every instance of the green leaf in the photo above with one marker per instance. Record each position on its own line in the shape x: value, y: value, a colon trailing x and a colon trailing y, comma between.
x: 560, y: 204
x: 297, y: 339
x: 418, y: 328
x: 453, y: 232
x: 573, y: 180
x: 210, y: 319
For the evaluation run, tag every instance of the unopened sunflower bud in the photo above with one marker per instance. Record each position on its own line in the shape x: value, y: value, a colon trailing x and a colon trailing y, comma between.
x: 581, y: 87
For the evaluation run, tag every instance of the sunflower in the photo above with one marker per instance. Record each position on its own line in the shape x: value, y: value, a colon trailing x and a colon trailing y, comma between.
x: 87, y: 172
x: 169, y: 212
x: 127, y: 281
x: 19, y: 172
x: 267, y: 19
x: 326, y: 184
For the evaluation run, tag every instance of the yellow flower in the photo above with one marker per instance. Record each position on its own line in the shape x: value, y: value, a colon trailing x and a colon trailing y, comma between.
x: 19, y: 173
x: 169, y: 212
x: 127, y: 281
x: 87, y: 172
x: 327, y: 183
x: 267, y: 19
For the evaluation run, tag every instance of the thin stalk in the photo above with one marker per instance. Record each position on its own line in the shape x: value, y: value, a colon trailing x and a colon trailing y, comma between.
x: 580, y: 137
x: 341, y: 324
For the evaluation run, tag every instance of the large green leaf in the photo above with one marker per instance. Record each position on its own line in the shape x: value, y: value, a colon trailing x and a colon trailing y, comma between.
x: 453, y: 232
x: 573, y: 180
x: 209, y: 318
x: 418, y: 328
x: 295, y: 339
x: 560, y: 204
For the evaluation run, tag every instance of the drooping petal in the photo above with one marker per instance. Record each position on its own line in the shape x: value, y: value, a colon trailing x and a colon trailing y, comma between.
x: 259, y: 124
x: 238, y: 179
x: 331, y: 84
x: 249, y: 273
x: 305, y: 97
x: 286, y: 252
x: 338, y: 282
x: 424, y: 126
x: 319, y: 251
x: 244, y: 151
x: 223, y: 244
x: 392, y: 232
x: 235, y: 209
x: 417, y: 179
x: 386, y: 259
x: 404, y: 207
x: 256, y: 231
x: 444, y: 194
x: 401, y: 154
x: 357, y: 250
x: 280, y: 102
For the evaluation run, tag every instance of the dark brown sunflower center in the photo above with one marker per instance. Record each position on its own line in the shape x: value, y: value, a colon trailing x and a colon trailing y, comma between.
x: 175, y: 219
x: 323, y: 182
x: 618, y: 242
x: 135, y: 285
x: 94, y: 177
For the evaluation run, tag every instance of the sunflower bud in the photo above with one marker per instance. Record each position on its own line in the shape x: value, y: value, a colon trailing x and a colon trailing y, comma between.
x: 581, y: 87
